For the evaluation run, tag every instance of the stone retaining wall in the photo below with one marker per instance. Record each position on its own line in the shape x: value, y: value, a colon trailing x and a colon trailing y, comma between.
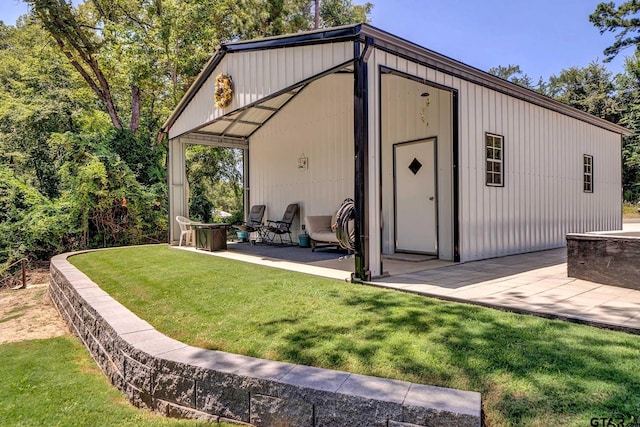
x: 611, y: 258
x: 177, y: 380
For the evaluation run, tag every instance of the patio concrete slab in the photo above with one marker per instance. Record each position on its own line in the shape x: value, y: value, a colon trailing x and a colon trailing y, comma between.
x: 332, y: 273
x: 535, y: 283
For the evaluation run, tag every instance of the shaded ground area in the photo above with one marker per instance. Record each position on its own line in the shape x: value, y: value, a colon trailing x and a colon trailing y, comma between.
x: 27, y: 314
x: 289, y: 253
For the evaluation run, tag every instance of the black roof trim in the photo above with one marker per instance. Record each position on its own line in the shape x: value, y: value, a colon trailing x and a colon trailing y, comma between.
x: 329, y: 35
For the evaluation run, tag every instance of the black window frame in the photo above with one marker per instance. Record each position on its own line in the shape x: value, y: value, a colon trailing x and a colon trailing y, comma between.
x: 493, y: 163
x: 587, y: 173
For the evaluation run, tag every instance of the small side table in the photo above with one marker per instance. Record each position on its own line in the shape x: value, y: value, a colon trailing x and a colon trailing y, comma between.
x: 211, y: 237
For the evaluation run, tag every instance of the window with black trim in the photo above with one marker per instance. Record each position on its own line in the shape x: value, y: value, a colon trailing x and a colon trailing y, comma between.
x: 494, y: 148
x: 587, y: 181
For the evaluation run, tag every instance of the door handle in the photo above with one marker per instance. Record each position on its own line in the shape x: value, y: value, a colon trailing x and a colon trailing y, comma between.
x: 431, y: 198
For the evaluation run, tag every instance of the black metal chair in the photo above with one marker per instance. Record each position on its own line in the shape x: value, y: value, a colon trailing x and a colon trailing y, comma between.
x: 281, y: 228
x: 253, y: 224
x: 254, y: 220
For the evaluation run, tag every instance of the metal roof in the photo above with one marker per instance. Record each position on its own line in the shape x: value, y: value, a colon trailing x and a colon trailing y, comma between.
x: 244, y: 122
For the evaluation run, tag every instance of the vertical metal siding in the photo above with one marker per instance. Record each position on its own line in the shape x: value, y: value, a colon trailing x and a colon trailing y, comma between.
x: 542, y: 199
x: 257, y: 74
x: 401, y: 122
x: 318, y: 123
x: 177, y: 187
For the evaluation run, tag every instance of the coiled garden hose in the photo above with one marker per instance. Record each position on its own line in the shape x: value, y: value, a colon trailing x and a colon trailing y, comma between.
x: 346, y: 235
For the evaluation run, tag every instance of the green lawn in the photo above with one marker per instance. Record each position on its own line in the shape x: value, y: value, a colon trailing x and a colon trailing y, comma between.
x: 530, y: 371
x: 54, y: 382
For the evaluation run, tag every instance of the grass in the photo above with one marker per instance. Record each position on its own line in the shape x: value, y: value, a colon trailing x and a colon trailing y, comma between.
x: 630, y: 210
x: 54, y: 382
x: 530, y: 371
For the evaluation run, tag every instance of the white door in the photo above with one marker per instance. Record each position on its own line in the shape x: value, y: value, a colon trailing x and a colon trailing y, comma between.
x: 416, y: 221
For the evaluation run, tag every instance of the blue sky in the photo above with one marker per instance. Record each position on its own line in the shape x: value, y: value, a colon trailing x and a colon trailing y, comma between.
x: 542, y: 36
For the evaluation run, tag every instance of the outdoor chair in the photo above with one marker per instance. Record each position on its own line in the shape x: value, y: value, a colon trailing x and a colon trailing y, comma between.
x: 253, y: 225
x: 254, y: 220
x: 185, y: 229
x: 281, y: 228
x: 322, y: 231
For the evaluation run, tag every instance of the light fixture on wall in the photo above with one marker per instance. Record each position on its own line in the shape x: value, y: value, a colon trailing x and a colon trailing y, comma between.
x: 303, y: 162
x: 424, y: 109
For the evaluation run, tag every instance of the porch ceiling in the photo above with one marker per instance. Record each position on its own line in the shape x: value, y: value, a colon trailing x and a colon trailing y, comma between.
x: 244, y: 123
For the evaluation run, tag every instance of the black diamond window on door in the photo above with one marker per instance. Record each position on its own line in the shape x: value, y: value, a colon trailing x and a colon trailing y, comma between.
x: 415, y: 166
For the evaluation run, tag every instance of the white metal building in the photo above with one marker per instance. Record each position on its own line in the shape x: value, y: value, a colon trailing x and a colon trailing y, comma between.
x: 441, y: 158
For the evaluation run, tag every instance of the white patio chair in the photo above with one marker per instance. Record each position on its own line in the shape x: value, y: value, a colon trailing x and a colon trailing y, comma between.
x: 185, y: 229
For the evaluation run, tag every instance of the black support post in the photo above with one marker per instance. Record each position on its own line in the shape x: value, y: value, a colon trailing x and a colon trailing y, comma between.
x: 361, y: 152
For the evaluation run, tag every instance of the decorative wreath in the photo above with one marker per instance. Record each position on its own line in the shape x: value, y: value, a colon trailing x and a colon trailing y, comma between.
x: 224, y: 90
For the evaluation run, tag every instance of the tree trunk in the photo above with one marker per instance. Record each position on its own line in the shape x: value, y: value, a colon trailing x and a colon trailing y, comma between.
x: 317, y: 15
x: 135, y: 109
x: 69, y: 34
x: 103, y: 92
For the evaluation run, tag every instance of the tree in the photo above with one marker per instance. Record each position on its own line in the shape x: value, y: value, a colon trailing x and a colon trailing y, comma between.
x: 589, y: 89
x: 39, y: 97
x: 628, y: 85
x: 514, y: 74
x: 623, y: 20
x: 76, y: 36
x: 136, y: 53
x: 214, y: 175
x: 262, y: 18
x: 341, y: 12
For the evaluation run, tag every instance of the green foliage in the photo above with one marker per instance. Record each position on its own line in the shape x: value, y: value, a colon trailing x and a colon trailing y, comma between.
x: 31, y: 225
x: 514, y: 74
x: 98, y: 187
x: 142, y: 157
x: 72, y: 73
x: 57, y: 147
x: 216, y: 181
x: 262, y: 18
x: 342, y: 12
x: 623, y: 20
x: 38, y: 97
x: 589, y: 89
x: 527, y: 368
x: 17, y: 199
